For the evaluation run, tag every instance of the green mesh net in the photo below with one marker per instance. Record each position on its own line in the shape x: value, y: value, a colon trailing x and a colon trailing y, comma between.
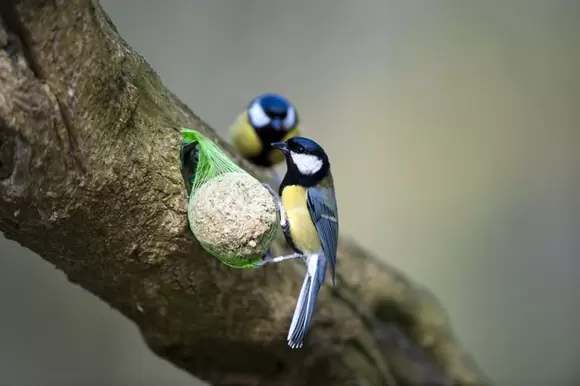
x: 231, y: 214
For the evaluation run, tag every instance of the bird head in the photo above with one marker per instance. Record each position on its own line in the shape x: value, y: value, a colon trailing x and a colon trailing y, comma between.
x: 304, y: 157
x: 273, y: 112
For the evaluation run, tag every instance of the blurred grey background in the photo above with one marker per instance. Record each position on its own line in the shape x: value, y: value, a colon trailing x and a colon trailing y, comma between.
x: 454, y: 131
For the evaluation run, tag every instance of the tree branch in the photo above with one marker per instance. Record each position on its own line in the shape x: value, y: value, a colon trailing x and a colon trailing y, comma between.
x: 89, y: 180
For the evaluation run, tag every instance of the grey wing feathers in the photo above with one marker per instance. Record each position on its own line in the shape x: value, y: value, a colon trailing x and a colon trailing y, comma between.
x: 316, y: 267
x: 324, y: 214
x: 298, y: 327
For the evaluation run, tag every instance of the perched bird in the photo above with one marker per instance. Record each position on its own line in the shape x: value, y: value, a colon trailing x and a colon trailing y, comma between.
x: 309, y: 219
x: 268, y: 118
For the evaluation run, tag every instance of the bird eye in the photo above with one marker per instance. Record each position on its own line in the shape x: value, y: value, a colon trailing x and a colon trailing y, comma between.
x: 290, y: 119
x: 300, y: 149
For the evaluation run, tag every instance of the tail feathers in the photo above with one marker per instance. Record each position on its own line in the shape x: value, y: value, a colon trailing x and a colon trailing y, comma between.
x: 298, y: 326
x: 316, y: 269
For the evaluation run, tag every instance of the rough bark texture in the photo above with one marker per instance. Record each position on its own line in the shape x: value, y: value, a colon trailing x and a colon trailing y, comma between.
x: 89, y: 180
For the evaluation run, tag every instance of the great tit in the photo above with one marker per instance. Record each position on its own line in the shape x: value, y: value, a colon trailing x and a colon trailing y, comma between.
x: 309, y: 220
x: 268, y: 118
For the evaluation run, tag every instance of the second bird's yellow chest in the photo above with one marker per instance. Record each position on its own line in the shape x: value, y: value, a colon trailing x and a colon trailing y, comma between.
x: 302, y: 230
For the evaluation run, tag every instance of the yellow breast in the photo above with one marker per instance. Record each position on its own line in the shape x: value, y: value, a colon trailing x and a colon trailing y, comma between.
x: 302, y: 229
x: 244, y: 137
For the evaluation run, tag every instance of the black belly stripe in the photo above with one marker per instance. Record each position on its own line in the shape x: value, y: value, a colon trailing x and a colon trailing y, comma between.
x: 286, y: 231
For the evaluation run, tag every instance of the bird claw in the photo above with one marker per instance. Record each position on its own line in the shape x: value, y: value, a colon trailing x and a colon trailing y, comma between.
x: 279, y: 205
x: 269, y: 189
x: 268, y: 259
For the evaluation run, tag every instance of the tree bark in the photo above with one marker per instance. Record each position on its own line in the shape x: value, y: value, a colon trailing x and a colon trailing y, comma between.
x: 89, y: 180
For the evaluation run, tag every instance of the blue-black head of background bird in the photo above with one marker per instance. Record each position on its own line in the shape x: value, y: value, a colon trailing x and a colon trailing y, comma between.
x: 273, y: 117
x: 280, y: 114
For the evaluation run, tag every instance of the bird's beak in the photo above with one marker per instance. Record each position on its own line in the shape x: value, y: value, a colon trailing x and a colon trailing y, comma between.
x: 281, y: 146
x: 276, y: 124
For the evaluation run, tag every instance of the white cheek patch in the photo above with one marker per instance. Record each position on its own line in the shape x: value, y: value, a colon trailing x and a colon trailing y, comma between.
x: 290, y: 119
x: 307, y: 164
x: 257, y: 115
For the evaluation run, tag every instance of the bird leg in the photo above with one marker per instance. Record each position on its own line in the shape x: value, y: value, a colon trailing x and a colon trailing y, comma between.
x: 267, y: 259
x: 281, y: 211
x: 283, y: 223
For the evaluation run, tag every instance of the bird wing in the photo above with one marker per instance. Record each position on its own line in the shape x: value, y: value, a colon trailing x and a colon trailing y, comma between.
x: 324, y: 213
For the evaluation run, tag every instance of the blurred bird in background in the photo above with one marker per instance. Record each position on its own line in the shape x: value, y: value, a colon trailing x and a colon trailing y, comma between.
x: 268, y: 118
